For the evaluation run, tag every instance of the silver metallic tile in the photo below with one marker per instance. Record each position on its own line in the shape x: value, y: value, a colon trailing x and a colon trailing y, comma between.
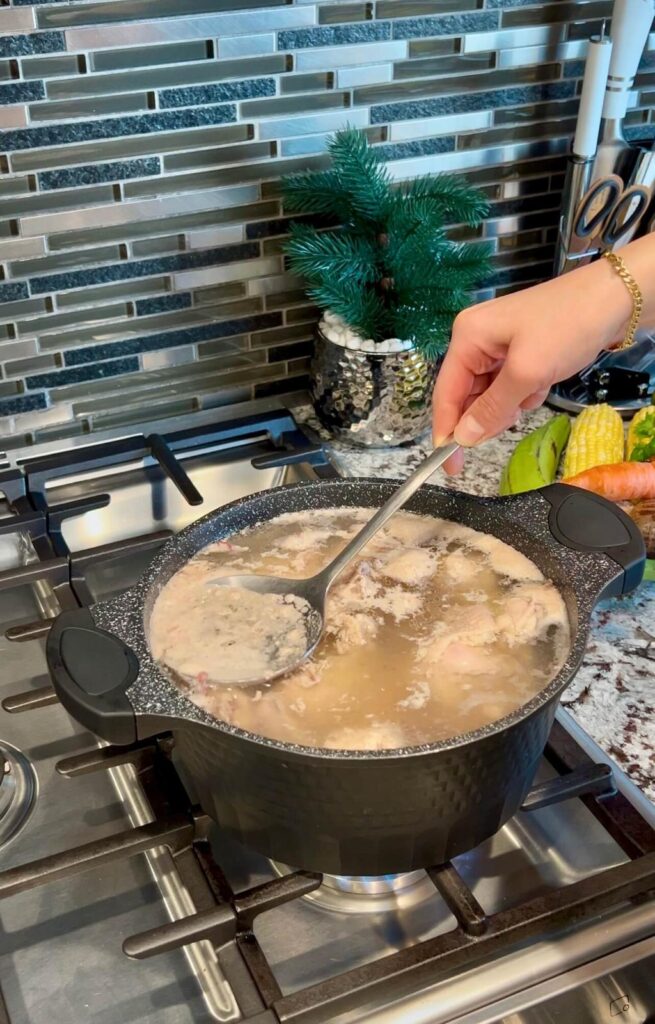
x: 246, y: 46
x: 366, y: 75
x: 349, y: 56
x: 168, y: 358
x: 21, y: 248
x: 126, y: 213
x: 148, y: 56
x: 13, y: 117
x: 522, y: 55
x: 448, y: 124
x: 187, y: 279
x: 150, y: 229
x: 161, y: 409
x: 17, y: 185
x: 93, y: 106
x: 49, y: 65
x: 16, y: 20
x: 40, y: 326
x: 507, y: 39
x: 305, y: 144
x: 157, y: 246
x: 199, y: 72
x: 62, y: 200
x: 314, y: 123
x: 63, y: 261
x: 85, y: 297
x: 206, y: 238
x: 34, y: 364
x: 166, y: 30
x: 17, y: 350
x: 119, y: 149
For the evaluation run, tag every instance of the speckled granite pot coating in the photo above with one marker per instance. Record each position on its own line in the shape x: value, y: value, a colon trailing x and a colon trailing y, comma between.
x: 359, y: 812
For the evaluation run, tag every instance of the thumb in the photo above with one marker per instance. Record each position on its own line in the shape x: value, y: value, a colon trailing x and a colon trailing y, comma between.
x: 497, y: 407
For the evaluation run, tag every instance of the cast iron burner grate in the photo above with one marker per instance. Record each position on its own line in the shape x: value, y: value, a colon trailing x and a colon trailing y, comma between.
x: 226, y: 917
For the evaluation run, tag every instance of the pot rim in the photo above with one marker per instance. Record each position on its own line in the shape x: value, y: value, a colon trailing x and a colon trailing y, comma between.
x: 126, y: 618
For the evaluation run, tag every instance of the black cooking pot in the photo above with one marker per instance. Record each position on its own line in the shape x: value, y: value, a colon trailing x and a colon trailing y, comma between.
x: 348, y: 812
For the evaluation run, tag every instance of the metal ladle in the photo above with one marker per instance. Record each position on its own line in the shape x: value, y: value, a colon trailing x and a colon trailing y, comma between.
x: 312, y: 592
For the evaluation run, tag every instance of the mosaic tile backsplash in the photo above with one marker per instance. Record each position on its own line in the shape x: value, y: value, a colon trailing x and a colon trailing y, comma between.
x: 142, y: 141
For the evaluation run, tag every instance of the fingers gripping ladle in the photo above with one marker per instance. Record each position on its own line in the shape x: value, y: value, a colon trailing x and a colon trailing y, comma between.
x: 309, y: 595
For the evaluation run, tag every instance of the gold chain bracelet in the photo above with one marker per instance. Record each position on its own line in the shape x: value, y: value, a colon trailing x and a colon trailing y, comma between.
x: 619, y: 266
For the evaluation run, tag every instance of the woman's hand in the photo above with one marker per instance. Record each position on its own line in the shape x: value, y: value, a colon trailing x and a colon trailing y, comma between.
x: 506, y: 354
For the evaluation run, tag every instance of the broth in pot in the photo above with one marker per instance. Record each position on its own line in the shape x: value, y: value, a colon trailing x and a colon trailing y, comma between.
x: 434, y: 630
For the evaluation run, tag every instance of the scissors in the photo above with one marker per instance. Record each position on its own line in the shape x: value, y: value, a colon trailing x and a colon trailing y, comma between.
x: 606, y: 213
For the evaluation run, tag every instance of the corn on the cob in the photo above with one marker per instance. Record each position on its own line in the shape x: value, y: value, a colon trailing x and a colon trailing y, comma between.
x: 641, y: 435
x: 596, y: 440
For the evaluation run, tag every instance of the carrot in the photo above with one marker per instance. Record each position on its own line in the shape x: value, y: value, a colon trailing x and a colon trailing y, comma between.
x: 619, y: 481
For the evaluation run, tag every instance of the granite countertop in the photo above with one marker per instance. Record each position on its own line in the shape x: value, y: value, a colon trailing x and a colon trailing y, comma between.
x: 613, y: 695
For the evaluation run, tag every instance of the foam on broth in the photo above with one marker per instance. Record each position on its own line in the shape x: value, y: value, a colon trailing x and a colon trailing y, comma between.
x: 435, y: 630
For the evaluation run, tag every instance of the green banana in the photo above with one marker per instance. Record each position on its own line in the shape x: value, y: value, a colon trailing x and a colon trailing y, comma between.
x: 534, y: 461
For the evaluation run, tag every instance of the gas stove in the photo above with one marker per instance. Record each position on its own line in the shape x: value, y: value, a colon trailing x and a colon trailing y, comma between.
x: 120, y: 900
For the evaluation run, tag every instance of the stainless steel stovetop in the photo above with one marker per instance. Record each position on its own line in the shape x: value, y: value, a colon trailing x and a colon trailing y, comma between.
x: 547, y: 921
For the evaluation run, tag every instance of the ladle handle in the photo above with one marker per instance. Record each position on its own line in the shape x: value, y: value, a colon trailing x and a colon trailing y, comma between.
x: 422, y: 473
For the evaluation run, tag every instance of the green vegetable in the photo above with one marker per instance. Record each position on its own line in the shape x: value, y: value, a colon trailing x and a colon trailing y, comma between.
x: 643, y: 438
x: 649, y: 572
x: 535, y: 459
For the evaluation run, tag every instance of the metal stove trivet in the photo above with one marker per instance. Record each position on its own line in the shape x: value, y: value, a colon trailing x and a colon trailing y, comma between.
x: 220, y: 916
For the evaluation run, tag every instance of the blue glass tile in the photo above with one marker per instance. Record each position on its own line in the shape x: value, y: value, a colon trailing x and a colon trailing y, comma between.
x: 491, y: 99
x: 573, y: 69
x: 22, y: 403
x: 111, y: 127
x: 35, y: 42
x: 291, y: 351
x: 171, y: 339
x: 417, y: 147
x: 497, y: 4
x: 11, y: 291
x: 164, y: 304
x: 219, y: 92
x: 637, y: 133
x: 280, y: 225
x: 362, y: 32
x: 143, y: 268
x: 82, y: 373
x: 526, y: 204
x: 281, y: 387
x: 519, y: 275
x: 445, y: 25
x: 21, y: 92
x: 89, y: 174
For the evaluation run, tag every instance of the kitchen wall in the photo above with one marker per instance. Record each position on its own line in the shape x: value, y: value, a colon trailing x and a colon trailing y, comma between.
x: 140, y: 225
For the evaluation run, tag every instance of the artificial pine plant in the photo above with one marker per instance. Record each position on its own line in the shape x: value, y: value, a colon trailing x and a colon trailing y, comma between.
x: 389, y: 269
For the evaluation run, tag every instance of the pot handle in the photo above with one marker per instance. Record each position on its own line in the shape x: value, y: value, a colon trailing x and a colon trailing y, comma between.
x: 91, y: 671
x: 584, y: 521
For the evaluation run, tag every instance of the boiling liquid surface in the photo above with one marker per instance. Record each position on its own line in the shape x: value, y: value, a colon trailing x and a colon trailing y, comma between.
x: 434, y: 630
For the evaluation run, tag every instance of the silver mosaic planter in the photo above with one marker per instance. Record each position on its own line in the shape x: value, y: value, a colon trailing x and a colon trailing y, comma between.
x: 372, y: 399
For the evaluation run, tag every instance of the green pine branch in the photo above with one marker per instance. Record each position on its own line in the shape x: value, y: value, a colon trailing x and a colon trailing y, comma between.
x: 328, y: 254
x: 453, y: 196
x: 361, y: 174
x: 362, y: 309
x: 316, y: 192
x: 390, y: 270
